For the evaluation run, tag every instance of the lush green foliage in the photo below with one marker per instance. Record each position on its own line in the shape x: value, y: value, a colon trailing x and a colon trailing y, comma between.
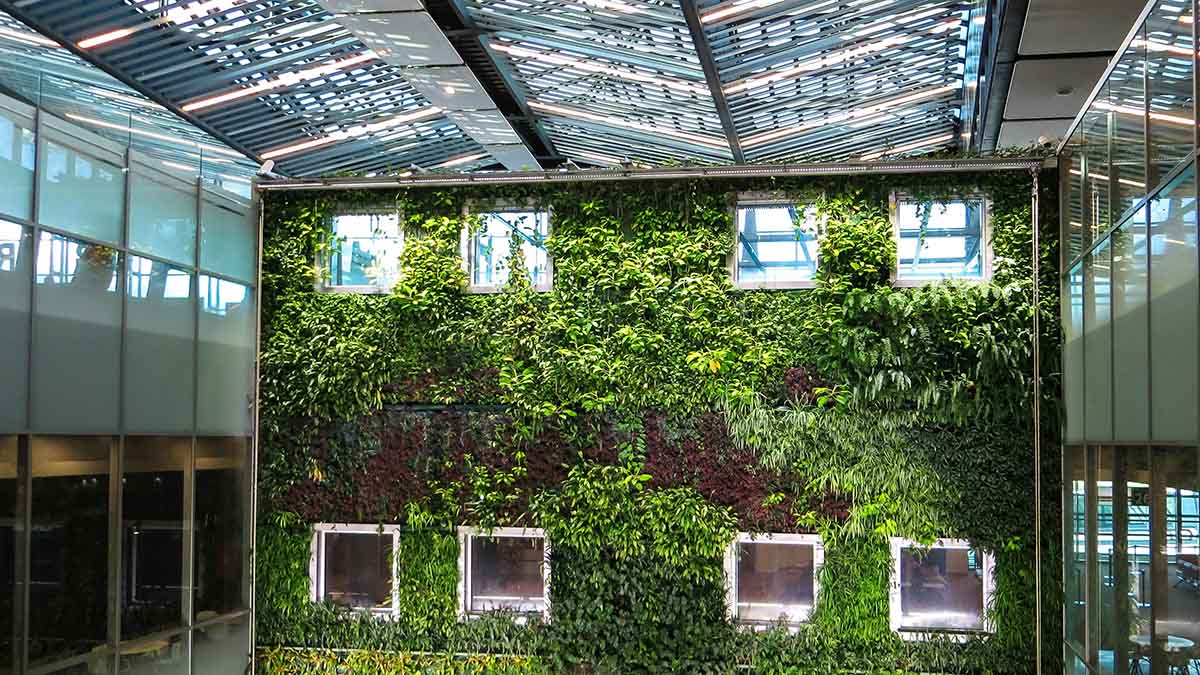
x: 641, y: 412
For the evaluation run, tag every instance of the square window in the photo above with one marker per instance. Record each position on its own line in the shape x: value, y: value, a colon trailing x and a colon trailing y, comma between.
x: 773, y: 577
x: 352, y: 566
x: 941, y: 240
x: 776, y: 245
x: 364, y: 255
x: 489, y: 250
x: 504, y: 569
x: 940, y: 589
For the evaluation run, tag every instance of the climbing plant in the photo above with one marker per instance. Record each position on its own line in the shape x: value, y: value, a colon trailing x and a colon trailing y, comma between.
x: 643, y: 411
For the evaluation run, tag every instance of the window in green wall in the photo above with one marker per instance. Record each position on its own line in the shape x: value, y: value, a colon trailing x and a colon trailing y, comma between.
x: 941, y: 240
x: 489, y: 250
x: 365, y: 253
x: 777, y: 244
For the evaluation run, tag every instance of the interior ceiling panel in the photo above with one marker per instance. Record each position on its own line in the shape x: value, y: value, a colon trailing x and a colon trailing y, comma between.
x: 380, y: 85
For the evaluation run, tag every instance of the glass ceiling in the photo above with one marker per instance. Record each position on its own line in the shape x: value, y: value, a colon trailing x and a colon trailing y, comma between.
x: 606, y: 81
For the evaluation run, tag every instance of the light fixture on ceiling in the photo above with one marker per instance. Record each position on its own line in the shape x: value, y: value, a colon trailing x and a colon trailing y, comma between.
x: 352, y: 132
x: 1065, y: 90
x: 818, y: 63
x: 614, y: 5
x: 459, y: 161
x: 728, y: 9
x: 30, y: 38
x: 838, y: 118
x: 587, y: 65
x: 908, y: 147
x: 284, y: 80
x: 105, y: 38
x: 627, y: 124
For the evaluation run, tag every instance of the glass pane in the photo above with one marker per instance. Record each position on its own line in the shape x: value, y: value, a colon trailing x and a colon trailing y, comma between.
x: 16, y: 162
x: 493, y: 247
x: 76, y: 356
x: 1169, y: 63
x: 1075, y: 198
x: 941, y: 240
x: 222, y: 649
x: 1173, y: 311
x: 776, y: 244
x: 1075, y: 545
x: 221, y: 506
x: 775, y: 582
x: 1097, y: 343
x: 68, y: 585
x: 226, y: 358
x: 152, y: 513
x: 162, y: 215
x: 16, y: 261
x: 941, y: 589
x: 8, y: 551
x: 162, y: 656
x: 1123, y: 553
x: 1131, y: 350
x: 506, y: 573
x: 1177, y: 614
x: 159, y: 341
x: 357, y: 569
x: 81, y: 194
x: 228, y: 235
x: 1097, y: 193
x: 1073, y: 366
x: 1127, y: 100
x: 366, y: 250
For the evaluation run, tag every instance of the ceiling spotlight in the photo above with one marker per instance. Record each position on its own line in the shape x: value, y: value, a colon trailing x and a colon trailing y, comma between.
x: 267, y: 166
x: 1065, y: 91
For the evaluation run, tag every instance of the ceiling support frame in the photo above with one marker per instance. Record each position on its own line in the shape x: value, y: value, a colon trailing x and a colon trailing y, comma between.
x: 692, y: 14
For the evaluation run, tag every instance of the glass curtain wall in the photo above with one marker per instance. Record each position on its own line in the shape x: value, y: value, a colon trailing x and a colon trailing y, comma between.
x: 1131, y: 360
x: 128, y: 318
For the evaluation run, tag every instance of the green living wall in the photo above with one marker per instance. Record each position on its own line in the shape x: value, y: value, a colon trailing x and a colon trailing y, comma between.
x: 642, y: 412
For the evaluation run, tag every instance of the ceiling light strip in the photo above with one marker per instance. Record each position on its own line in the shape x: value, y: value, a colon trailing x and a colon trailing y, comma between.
x: 353, y: 132
x: 720, y: 144
x: 284, y: 80
x: 589, y: 66
x: 909, y: 147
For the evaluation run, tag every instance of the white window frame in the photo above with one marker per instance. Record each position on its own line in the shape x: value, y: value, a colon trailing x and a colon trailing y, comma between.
x: 986, y: 226
x: 750, y: 199
x: 466, y: 243
x: 731, y: 570
x: 466, y: 534
x: 316, y: 560
x: 322, y: 261
x: 960, y: 635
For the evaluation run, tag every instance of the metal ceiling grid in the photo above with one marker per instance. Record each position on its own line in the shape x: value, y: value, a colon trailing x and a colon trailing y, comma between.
x: 279, y: 78
x: 619, y: 78
x: 820, y: 79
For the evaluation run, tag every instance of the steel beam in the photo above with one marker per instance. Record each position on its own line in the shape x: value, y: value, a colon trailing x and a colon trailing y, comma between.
x: 704, y: 52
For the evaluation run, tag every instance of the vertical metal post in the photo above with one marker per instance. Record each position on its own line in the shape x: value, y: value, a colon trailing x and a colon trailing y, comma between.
x: 1120, y: 558
x: 190, y: 516
x: 1037, y: 427
x: 251, y: 551
x: 23, y: 556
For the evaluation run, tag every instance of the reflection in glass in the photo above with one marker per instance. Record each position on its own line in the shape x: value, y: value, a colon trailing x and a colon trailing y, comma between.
x: 492, y: 248
x: 506, y: 573
x: 16, y: 256
x: 365, y: 250
x: 1075, y: 545
x: 159, y: 341
x: 1075, y: 217
x: 228, y: 235
x: 16, y: 160
x: 775, y: 581
x: 162, y: 215
x: 221, y: 648
x: 1097, y: 193
x: 226, y: 358
x: 1126, y: 175
x: 1174, y: 304
x: 81, y: 194
x: 777, y: 244
x: 156, y: 656
x: 1073, y: 366
x: 76, y: 357
x: 68, y: 587
x: 941, y: 589
x: 221, y: 505
x: 153, y: 531
x: 1169, y: 66
x: 357, y: 569
x: 941, y: 240
x: 8, y: 551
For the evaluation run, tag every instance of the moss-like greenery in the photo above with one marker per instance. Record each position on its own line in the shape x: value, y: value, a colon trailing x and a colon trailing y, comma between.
x: 642, y: 412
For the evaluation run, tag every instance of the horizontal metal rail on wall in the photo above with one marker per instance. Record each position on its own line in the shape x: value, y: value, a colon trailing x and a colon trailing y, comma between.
x: 661, y: 173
